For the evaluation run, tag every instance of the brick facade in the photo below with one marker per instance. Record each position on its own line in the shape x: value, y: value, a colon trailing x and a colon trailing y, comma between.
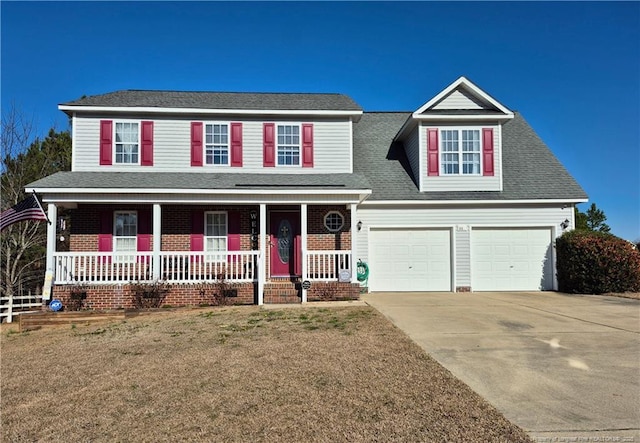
x: 176, y: 236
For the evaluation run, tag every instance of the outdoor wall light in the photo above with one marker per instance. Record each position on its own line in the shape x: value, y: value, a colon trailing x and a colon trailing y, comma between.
x: 565, y: 224
x: 359, y: 225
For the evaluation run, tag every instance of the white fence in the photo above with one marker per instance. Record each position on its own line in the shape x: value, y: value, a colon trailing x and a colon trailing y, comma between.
x: 11, y: 306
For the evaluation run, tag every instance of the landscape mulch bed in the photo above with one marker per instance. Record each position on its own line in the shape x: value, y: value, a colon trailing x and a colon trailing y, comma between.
x: 236, y: 374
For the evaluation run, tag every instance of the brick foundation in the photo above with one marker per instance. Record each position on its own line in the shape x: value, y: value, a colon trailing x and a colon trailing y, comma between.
x: 121, y: 296
x: 100, y: 297
x: 463, y: 288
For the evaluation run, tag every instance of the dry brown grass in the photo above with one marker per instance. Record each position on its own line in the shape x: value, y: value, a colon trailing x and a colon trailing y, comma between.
x: 237, y: 374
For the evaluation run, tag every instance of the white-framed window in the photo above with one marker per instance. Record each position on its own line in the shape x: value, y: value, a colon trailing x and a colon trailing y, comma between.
x: 127, y: 142
x: 215, y: 235
x: 333, y: 221
x: 460, y: 151
x: 125, y: 231
x: 288, y: 145
x: 216, y: 143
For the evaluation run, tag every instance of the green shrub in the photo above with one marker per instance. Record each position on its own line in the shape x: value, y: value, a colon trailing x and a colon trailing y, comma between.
x: 596, y: 263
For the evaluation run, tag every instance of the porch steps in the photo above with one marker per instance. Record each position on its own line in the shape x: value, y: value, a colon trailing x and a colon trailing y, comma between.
x: 282, y: 292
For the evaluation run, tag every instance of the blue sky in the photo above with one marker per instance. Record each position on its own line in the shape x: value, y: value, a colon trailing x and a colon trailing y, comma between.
x: 572, y: 69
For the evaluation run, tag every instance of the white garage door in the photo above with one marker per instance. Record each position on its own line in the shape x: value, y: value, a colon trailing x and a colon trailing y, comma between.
x: 511, y: 259
x: 410, y: 260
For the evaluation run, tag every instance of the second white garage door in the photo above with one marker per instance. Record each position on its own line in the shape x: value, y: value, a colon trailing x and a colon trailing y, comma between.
x: 511, y: 259
x: 410, y: 260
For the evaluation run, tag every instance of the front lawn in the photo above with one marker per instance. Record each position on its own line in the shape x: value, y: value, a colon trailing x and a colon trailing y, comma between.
x: 236, y: 374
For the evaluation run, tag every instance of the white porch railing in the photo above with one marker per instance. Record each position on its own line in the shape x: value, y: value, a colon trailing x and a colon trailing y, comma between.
x: 101, y: 267
x: 175, y: 267
x: 326, y: 265
x: 11, y: 306
x: 186, y: 267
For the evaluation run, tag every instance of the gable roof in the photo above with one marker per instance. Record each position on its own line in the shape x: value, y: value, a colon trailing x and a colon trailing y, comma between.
x: 216, y: 100
x: 530, y: 170
x: 464, y: 87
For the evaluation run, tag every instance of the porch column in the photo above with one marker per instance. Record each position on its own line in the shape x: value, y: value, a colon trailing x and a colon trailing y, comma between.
x: 52, y: 214
x: 303, y: 234
x: 262, y: 266
x: 157, y: 240
x: 354, y: 243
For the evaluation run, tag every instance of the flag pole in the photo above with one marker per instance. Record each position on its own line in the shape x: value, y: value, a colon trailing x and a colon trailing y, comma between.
x: 40, y: 206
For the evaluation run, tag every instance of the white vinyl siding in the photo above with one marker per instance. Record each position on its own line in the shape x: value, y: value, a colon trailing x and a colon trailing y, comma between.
x: 459, y: 181
x: 462, y: 220
x: 412, y: 150
x: 463, y: 256
x: 332, y: 143
x: 461, y: 99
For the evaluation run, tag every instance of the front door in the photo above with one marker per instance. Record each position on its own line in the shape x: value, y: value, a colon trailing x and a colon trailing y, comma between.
x: 284, y: 237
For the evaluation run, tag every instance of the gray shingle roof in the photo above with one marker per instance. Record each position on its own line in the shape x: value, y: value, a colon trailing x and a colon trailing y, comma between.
x: 209, y: 181
x: 530, y: 170
x: 221, y: 100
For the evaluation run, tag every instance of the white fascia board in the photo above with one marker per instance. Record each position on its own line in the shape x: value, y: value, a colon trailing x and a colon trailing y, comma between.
x: 197, y: 191
x: 155, y: 110
x: 73, y: 202
x: 466, y: 83
x: 469, y: 202
x: 449, y: 117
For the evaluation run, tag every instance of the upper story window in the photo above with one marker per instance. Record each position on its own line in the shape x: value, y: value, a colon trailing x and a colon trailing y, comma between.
x: 125, y: 230
x: 288, y: 145
x: 215, y: 235
x: 460, y: 151
x: 127, y: 142
x: 216, y: 143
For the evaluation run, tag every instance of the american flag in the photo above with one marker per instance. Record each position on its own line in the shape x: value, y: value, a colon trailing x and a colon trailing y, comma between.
x: 27, y: 209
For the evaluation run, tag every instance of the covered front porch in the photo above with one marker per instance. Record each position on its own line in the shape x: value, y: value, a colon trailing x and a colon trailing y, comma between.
x: 266, y: 244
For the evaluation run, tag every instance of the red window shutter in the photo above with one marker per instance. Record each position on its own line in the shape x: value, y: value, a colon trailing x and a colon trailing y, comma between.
x: 106, y: 142
x: 233, y: 232
x: 196, y: 143
x: 144, y: 234
x: 146, y: 158
x: 144, y: 230
x: 307, y: 145
x: 197, y: 232
x: 105, y: 234
x: 432, y: 152
x: 269, y: 146
x: 236, y: 145
x: 487, y: 152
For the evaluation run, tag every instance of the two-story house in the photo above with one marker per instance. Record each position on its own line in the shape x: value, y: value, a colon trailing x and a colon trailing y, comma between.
x: 267, y: 190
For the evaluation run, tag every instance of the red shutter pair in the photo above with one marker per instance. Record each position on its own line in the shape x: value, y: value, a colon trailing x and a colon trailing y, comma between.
x: 197, y: 145
x: 197, y: 230
x: 433, y: 162
x: 106, y: 143
x: 105, y: 235
x: 269, y: 145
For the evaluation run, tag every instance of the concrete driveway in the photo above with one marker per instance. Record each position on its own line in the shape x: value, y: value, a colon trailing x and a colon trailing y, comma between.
x: 559, y: 366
